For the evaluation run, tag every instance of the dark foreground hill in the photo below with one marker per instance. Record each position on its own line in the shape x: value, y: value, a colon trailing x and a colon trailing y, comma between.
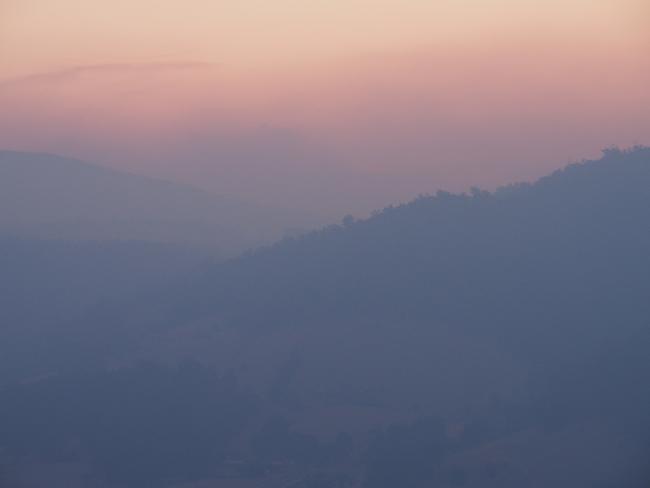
x: 482, y: 340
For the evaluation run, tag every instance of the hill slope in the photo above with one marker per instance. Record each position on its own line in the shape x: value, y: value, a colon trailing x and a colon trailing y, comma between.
x: 529, y: 305
x: 483, y: 340
x: 574, y: 242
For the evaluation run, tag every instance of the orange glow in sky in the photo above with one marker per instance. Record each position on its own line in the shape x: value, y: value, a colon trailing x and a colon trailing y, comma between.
x: 451, y: 92
x: 40, y: 35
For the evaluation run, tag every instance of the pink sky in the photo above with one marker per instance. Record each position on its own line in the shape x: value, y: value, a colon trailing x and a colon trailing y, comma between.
x: 338, y: 105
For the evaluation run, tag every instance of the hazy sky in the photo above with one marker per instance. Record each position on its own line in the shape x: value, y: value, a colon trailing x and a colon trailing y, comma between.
x: 337, y: 103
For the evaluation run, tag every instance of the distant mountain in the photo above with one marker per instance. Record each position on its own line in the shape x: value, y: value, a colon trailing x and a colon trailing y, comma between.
x: 478, y: 340
x: 48, y: 196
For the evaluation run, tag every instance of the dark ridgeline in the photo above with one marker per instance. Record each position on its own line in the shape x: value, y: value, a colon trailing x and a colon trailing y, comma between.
x: 476, y: 340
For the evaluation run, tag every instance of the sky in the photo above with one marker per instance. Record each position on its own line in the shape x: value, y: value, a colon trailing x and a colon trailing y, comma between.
x: 335, y: 106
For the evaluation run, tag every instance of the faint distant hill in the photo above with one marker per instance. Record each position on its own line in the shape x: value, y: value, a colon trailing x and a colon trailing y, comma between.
x: 49, y: 196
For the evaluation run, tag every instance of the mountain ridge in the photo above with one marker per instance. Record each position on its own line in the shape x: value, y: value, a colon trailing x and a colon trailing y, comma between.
x: 482, y: 340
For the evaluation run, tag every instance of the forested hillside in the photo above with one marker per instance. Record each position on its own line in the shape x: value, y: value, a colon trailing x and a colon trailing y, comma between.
x: 478, y: 340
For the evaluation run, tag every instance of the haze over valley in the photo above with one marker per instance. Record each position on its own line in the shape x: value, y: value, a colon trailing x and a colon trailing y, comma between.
x: 324, y: 244
x: 460, y: 339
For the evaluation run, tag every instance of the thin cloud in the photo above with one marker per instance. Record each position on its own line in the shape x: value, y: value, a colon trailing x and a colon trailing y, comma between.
x: 70, y: 73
